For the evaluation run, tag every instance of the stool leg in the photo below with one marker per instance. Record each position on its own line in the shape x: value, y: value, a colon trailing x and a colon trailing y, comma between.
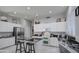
x: 27, y: 48
x: 31, y: 48
x: 34, y: 48
x: 20, y: 48
x: 16, y: 47
x: 24, y: 48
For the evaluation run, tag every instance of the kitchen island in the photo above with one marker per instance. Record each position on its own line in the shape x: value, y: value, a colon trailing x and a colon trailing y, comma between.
x: 41, y: 48
x: 54, y: 46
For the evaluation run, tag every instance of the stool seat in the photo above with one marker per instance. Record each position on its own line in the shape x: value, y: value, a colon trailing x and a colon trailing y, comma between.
x: 19, y: 46
x: 29, y: 43
x: 30, y: 46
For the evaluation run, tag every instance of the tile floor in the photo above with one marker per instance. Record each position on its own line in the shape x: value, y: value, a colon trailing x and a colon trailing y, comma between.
x: 41, y: 48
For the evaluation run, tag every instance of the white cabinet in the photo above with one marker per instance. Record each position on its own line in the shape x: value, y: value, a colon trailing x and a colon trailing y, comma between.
x: 7, y: 45
x: 54, y: 41
x: 11, y: 49
x: 39, y: 27
x: 7, y: 27
x: 53, y: 27
x: 4, y: 42
x: 57, y: 27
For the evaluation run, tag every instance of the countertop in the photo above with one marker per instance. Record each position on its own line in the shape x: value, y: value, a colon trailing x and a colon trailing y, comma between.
x: 41, y: 48
x: 68, y: 48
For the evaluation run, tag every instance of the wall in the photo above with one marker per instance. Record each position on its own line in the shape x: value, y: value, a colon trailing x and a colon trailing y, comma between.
x: 25, y: 24
x: 27, y: 28
x: 73, y: 23
x: 52, y: 19
x: 11, y: 19
x: 77, y: 28
x: 70, y: 28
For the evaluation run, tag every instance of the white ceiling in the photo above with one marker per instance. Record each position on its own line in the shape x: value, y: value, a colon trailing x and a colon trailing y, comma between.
x: 42, y: 11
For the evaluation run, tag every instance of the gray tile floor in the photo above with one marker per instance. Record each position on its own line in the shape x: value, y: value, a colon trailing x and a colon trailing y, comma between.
x: 41, y: 48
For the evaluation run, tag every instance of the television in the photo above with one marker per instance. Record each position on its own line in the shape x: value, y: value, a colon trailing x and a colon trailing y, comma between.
x: 77, y: 11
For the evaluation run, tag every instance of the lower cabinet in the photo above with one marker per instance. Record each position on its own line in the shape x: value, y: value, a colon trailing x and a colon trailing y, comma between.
x: 5, y: 42
x: 63, y: 50
x: 10, y: 49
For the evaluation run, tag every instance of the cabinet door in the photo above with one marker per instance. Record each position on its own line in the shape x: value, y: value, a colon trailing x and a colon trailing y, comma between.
x: 39, y: 27
x: 11, y: 49
x: 53, y: 27
x: 57, y: 27
x: 4, y: 42
x: 7, y: 27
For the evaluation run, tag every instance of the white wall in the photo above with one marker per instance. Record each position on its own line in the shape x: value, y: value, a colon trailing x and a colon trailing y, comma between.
x: 10, y: 19
x: 27, y: 28
x: 77, y: 28
x: 73, y: 23
x: 52, y: 19
x: 4, y: 42
x: 70, y: 28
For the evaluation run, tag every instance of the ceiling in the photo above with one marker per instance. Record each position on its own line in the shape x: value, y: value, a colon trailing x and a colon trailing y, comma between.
x: 30, y: 13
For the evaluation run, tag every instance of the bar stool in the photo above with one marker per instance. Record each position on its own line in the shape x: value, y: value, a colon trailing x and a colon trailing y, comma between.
x: 30, y: 46
x: 20, y: 47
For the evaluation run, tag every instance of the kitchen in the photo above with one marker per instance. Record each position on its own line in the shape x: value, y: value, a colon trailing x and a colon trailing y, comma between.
x: 39, y: 29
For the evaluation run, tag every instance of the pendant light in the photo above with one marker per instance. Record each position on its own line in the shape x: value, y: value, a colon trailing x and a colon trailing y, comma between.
x: 37, y: 19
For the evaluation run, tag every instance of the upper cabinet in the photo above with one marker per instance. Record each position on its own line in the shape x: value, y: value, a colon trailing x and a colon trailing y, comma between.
x: 52, y: 27
x: 7, y: 27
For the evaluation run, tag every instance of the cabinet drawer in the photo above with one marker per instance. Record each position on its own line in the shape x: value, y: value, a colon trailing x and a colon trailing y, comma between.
x: 10, y: 49
x: 4, y: 42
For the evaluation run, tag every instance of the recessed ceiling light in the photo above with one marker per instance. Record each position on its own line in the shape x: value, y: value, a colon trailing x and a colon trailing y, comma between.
x: 14, y: 12
x: 50, y: 11
x: 28, y: 8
